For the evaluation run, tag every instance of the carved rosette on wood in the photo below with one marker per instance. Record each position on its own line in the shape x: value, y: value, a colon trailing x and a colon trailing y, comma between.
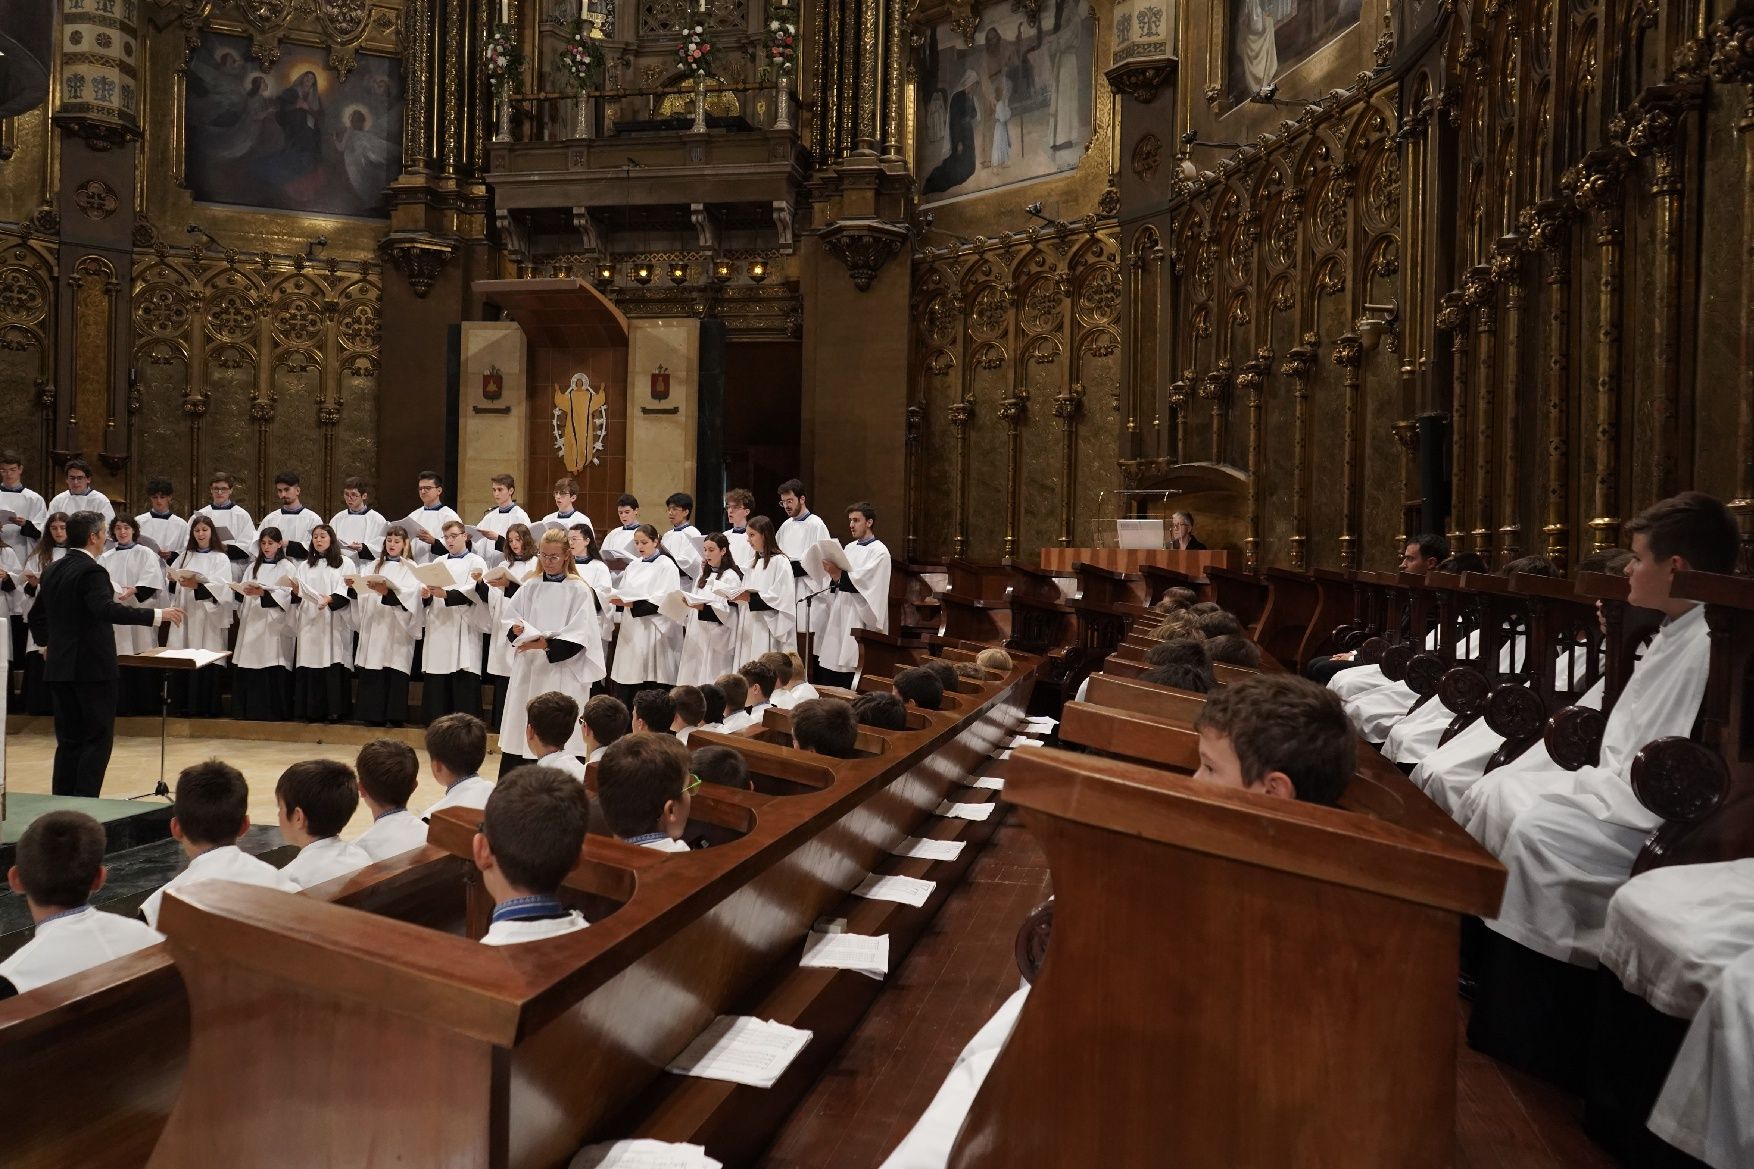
x: 864, y: 247
x: 419, y: 257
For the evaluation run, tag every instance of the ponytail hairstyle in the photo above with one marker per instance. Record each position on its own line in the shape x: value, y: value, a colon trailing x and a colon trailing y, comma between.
x: 726, y: 563
x: 333, y: 557
x: 590, y: 540
x: 770, y: 543
x: 652, y: 535
x: 266, y: 534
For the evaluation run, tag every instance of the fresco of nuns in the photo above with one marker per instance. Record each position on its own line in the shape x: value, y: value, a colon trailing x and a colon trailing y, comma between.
x: 293, y: 136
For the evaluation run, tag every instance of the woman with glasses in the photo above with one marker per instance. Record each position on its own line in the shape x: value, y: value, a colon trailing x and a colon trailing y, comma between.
x: 1181, y: 533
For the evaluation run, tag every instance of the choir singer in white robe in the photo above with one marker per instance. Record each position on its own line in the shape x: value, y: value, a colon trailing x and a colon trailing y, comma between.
x: 322, y: 618
x: 553, y: 622
x: 200, y: 577
x: 137, y: 575
x: 709, y: 646
x: 803, y: 529
x: 646, y: 656
x: 455, y: 621
x: 769, y: 597
x: 861, y: 598
x: 520, y: 560
x: 389, y: 624
x: 1706, y: 1109
x: 261, y: 681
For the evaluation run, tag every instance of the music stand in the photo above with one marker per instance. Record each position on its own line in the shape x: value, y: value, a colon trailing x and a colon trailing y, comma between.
x: 166, y: 660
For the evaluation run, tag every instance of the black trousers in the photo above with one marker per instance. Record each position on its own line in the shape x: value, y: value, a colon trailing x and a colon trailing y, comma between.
x: 383, y: 698
x: 1323, y: 669
x: 828, y: 677
x: 85, y: 732
x: 458, y: 693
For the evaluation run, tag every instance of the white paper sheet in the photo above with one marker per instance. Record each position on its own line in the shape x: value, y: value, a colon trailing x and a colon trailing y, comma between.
x: 831, y: 552
x: 906, y: 890
x: 643, y: 1154
x: 674, y: 606
x: 966, y: 811
x: 864, y: 953
x: 365, y: 580
x: 1023, y: 741
x: 989, y: 783
x: 1002, y: 755
x: 201, y: 657
x: 742, y: 1050
x: 931, y: 850
x: 1040, y: 723
x: 434, y: 574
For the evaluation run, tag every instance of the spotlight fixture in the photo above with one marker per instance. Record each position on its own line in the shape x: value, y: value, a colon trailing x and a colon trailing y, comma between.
x: 641, y: 274
x: 758, y: 270
x: 679, y: 273
x: 722, y: 271
x: 605, y: 275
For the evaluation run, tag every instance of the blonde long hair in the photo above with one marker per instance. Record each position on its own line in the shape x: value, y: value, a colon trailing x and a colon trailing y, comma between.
x: 555, y: 536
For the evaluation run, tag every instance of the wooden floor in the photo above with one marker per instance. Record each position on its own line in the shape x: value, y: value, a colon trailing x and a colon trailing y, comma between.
x: 959, y: 973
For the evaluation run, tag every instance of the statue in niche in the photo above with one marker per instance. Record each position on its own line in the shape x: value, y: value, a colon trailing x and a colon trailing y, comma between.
x: 1269, y: 37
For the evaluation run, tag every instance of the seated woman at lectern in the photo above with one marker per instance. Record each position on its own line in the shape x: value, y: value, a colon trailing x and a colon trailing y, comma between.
x: 1181, y: 533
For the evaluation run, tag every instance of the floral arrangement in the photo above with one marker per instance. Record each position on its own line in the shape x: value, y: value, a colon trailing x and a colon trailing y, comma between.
x: 695, y: 53
x: 504, y: 57
x: 782, y: 42
x: 581, y: 58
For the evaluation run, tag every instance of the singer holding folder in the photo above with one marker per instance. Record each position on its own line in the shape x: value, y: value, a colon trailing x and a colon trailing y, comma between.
x: 770, y: 594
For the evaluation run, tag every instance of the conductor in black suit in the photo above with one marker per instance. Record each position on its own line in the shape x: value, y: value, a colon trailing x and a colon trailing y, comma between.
x: 72, y: 619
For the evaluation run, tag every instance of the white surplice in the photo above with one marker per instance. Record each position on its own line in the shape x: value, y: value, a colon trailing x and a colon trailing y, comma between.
x: 1672, y: 931
x: 29, y: 507
x: 90, y: 500
x: 451, y: 642
x: 265, y: 631
x: 680, y: 544
x: 169, y: 531
x: 235, y: 519
x: 797, y: 535
x: 1455, y: 775
x: 322, y: 634
x: 709, y: 648
x: 761, y: 631
x: 206, y: 620
x: 431, y: 520
x: 1706, y: 1109
x: 863, y: 605
x: 295, y: 526
x: 558, y: 610
x: 365, y: 528
x: 498, y: 520
x: 64, y: 946
x: 1421, y: 732
x: 387, y: 633
x: 648, y: 651
x: 324, y: 860
x: 225, y: 863
x: 135, y: 566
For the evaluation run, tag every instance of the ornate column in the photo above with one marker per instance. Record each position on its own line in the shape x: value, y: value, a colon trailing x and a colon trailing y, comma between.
x: 1482, y: 298
x: 1067, y: 407
x: 195, y: 410
x: 1012, y: 411
x: 1656, y: 132
x: 1181, y: 392
x: 916, y: 421
x: 1407, y: 434
x: 1215, y: 388
x: 1452, y: 318
x: 1547, y: 227
x: 1507, y: 270
x: 1251, y: 381
x: 961, y: 412
x: 1298, y: 365
x: 1595, y: 183
x: 1349, y: 356
x: 1732, y: 60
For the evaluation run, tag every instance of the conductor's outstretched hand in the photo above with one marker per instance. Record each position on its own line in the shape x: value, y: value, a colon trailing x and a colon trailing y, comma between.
x: 174, y: 616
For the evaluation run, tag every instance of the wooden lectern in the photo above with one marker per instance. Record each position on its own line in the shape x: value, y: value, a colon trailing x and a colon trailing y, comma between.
x: 1233, y: 980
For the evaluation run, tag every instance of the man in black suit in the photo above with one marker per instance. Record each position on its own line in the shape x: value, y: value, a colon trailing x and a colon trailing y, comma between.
x: 75, y: 610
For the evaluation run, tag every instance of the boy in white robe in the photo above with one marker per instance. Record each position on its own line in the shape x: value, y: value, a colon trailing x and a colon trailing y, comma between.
x: 645, y: 788
x: 801, y: 531
x: 456, y: 746
x: 388, y: 773
x: 237, y: 530
x: 860, y: 598
x: 160, y: 524
x: 23, y: 526
x: 428, y: 520
x: 619, y: 539
x: 532, y: 829
x: 758, y: 681
x: 210, y: 814
x: 566, y: 497
x: 81, y: 495
x: 1672, y: 931
x: 455, y: 622
x: 604, y: 719
x: 739, y: 502
x: 553, y: 623
x: 682, y: 541
x: 315, y: 799
x: 1706, y: 1109
x: 358, y: 525
x: 551, y: 720
x: 490, y: 532
x: 1341, y: 672
x: 294, y: 519
x: 59, y: 866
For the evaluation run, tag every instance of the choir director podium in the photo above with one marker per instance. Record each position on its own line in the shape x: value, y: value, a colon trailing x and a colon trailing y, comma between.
x: 1233, y: 980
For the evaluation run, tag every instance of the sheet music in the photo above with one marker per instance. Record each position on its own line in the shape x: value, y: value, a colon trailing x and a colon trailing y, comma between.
x: 1023, y: 741
x: 498, y: 575
x: 743, y: 1050
x: 906, y: 890
x: 988, y: 783
x: 187, y: 576
x: 201, y: 657
x: 827, y: 552
x: 966, y: 811
x: 926, y: 849
x: 674, y: 606
x: 365, y: 580
x: 223, y: 535
x: 435, y: 574
x: 10, y: 519
x: 1040, y: 724
x: 865, y: 953
x: 643, y: 1154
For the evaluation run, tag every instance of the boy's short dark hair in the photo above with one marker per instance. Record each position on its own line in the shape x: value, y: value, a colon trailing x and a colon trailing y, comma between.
x: 1432, y: 546
x: 656, y: 709
x: 1234, y: 650
x: 1199, y: 607
x: 459, y: 741
x: 438, y: 480
x: 780, y: 664
x: 1529, y: 566
x: 212, y: 800
x: 566, y: 485
x: 10, y: 458
x: 357, y: 483
x: 723, y: 766
x: 863, y: 508
x: 1281, y: 722
x: 758, y: 673
x: 945, y: 672
x: 920, y: 686
x: 324, y: 789
x: 1178, y: 597
x: 882, y: 710
x: 1182, y: 677
x: 286, y: 479
x: 535, y: 824
x: 714, y: 698
x: 607, y: 718
x: 1609, y: 560
x: 79, y: 465
x: 682, y: 500
x: 826, y: 726
x: 503, y: 480
x: 1179, y: 651
x: 552, y: 716
x: 1220, y: 624
x: 690, y: 704
x: 794, y: 487
x: 625, y: 500
x: 58, y: 859
x: 1692, y: 525
x: 388, y: 771
x: 636, y: 777
x: 225, y: 477
x: 735, y: 690
x: 159, y: 487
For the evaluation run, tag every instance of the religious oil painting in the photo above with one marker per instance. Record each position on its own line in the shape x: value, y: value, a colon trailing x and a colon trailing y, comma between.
x: 293, y: 136
x: 1269, y: 37
x: 1013, y: 107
